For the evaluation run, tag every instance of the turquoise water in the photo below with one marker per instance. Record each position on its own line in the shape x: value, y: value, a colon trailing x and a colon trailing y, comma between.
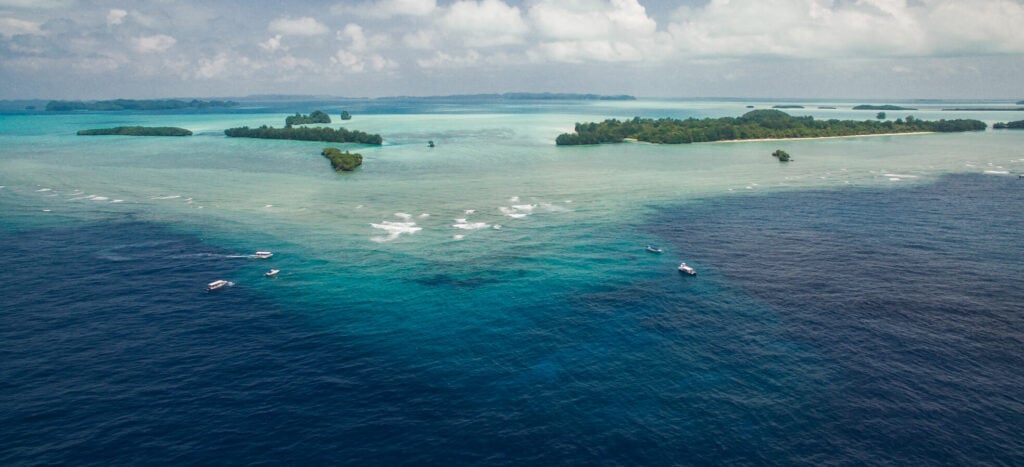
x: 489, y: 299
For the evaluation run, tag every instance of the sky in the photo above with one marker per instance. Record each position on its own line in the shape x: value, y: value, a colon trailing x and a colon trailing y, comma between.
x: 863, y: 49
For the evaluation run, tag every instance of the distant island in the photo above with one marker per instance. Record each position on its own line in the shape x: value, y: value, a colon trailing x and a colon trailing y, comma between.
x: 342, y: 161
x: 986, y: 109
x: 534, y: 96
x: 137, y: 131
x: 330, y: 135
x: 787, y: 106
x: 756, y: 124
x: 1020, y: 102
x: 345, y: 115
x: 129, y: 104
x: 315, y: 117
x: 881, y: 107
x: 1017, y: 125
x: 827, y: 107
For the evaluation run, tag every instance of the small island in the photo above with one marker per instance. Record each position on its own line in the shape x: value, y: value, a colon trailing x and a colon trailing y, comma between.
x: 325, y: 134
x: 881, y: 107
x: 1017, y: 125
x: 345, y: 115
x: 130, y: 104
x: 137, y: 131
x: 315, y: 117
x: 781, y: 155
x: 787, y: 106
x: 756, y: 124
x: 342, y: 161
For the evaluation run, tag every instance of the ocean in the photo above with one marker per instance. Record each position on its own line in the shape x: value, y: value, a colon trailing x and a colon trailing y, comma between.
x: 490, y: 301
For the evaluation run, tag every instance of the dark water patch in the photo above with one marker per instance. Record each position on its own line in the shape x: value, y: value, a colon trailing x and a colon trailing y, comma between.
x: 913, y: 295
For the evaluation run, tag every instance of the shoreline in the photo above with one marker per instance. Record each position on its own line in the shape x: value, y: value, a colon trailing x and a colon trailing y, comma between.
x: 634, y: 140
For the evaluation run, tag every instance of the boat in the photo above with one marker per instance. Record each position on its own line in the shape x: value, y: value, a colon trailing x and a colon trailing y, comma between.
x: 217, y: 284
x: 687, y: 269
x: 263, y: 254
x: 272, y: 272
x: 653, y: 249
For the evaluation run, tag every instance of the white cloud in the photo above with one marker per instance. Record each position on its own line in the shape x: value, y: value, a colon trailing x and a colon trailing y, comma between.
x: 116, y: 16
x: 595, y: 30
x: 865, y: 28
x: 304, y: 26
x: 485, y: 23
x: 421, y: 40
x: 35, y: 4
x: 273, y: 44
x: 387, y: 8
x: 15, y: 26
x: 444, y: 60
x: 357, y: 40
x: 354, y: 62
x: 157, y: 43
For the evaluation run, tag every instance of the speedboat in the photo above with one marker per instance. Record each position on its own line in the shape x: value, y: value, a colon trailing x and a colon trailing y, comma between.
x: 687, y: 269
x: 263, y: 254
x: 272, y: 272
x: 217, y: 284
x: 653, y: 249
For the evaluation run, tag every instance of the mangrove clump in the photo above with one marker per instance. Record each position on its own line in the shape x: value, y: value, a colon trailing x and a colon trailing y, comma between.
x: 329, y: 135
x: 137, y: 131
x: 342, y: 161
x: 313, y: 118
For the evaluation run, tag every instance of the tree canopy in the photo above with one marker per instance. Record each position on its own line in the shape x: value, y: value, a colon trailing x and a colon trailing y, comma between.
x: 137, y: 131
x: 315, y: 117
x: 129, y: 104
x: 330, y: 135
x: 1017, y: 125
x: 756, y: 124
x: 342, y: 161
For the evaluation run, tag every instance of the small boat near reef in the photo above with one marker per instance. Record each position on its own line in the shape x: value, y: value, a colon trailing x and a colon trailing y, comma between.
x: 683, y: 268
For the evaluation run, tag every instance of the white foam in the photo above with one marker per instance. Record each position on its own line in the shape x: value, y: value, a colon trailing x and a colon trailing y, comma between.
x: 568, y: 201
x: 402, y: 215
x: 117, y: 201
x: 98, y: 198
x: 43, y: 189
x: 899, y: 176
x: 46, y: 210
x: 997, y: 172
x: 166, y: 197
x: 527, y: 208
x: 464, y: 225
x: 510, y: 212
x: 895, y: 179
x: 469, y: 211
x: 514, y: 199
x: 458, y: 237
x: 394, y: 230
x: 269, y: 206
x: 497, y: 226
x: 424, y: 216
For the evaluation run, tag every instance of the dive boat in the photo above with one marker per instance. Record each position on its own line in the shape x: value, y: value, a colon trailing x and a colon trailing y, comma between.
x: 217, y: 284
x: 653, y: 249
x: 687, y: 269
x: 263, y: 254
x: 272, y: 272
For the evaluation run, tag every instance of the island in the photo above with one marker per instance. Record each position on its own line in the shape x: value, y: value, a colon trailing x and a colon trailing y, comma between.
x: 315, y: 117
x: 985, y: 109
x: 756, y: 124
x: 826, y: 107
x: 881, y: 107
x: 342, y: 161
x: 781, y: 155
x: 1017, y: 125
x: 345, y: 115
x: 1020, y: 102
x: 787, y: 106
x: 329, y: 135
x: 129, y: 104
x: 137, y: 131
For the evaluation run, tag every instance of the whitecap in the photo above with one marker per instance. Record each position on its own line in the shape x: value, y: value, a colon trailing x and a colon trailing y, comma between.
x: 424, y: 216
x: 402, y: 215
x: 469, y: 211
x: 895, y: 179
x: 899, y: 176
x: 394, y: 230
x: 269, y: 206
x: 458, y: 237
x: 46, y: 210
x: 497, y: 226
x: 166, y: 197
x: 510, y: 212
x: 750, y: 187
x: 514, y: 199
x: 464, y: 225
x: 98, y: 198
x: 43, y: 189
x: 527, y: 208
x: 568, y: 201
x: 117, y: 201
x: 997, y: 172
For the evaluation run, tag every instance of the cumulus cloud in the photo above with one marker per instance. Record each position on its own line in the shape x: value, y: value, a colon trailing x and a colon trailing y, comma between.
x: 354, y: 62
x: 116, y: 16
x: 304, y: 26
x: 866, y: 28
x: 15, y: 26
x: 485, y: 23
x: 157, y: 43
x: 595, y: 30
x: 273, y: 44
x: 387, y: 8
x: 354, y: 37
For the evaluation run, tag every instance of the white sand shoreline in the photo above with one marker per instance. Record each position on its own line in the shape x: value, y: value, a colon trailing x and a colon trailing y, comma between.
x: 634, y: 140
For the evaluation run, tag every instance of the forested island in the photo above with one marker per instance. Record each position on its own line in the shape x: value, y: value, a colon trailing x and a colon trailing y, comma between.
x: 881, y: 107
x: 787, y: 106
x: 986, y: 109
x: 315, y: 117
x: 137, y: 131
x: 1017, y: 125
x: 756, y: 124
x: 129, y: 104
x: 342, y: 161
x: 330, y: 135
x: 345, y: 115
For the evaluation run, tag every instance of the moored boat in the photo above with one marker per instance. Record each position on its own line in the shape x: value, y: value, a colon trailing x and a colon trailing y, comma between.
x: 272, y: 272
x: 217, y: 284
x: 653, y: 249
x: 687, y: 269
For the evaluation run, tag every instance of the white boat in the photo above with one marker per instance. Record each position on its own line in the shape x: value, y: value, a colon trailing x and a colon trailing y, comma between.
x: 263, y: 254
x: 653, y: 249
x: 217, y: 284
x: 687, y: 269
x: 272, y: 272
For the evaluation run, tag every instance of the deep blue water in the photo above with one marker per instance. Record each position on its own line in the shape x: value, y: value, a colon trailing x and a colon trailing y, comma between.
x: 856, y: 326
